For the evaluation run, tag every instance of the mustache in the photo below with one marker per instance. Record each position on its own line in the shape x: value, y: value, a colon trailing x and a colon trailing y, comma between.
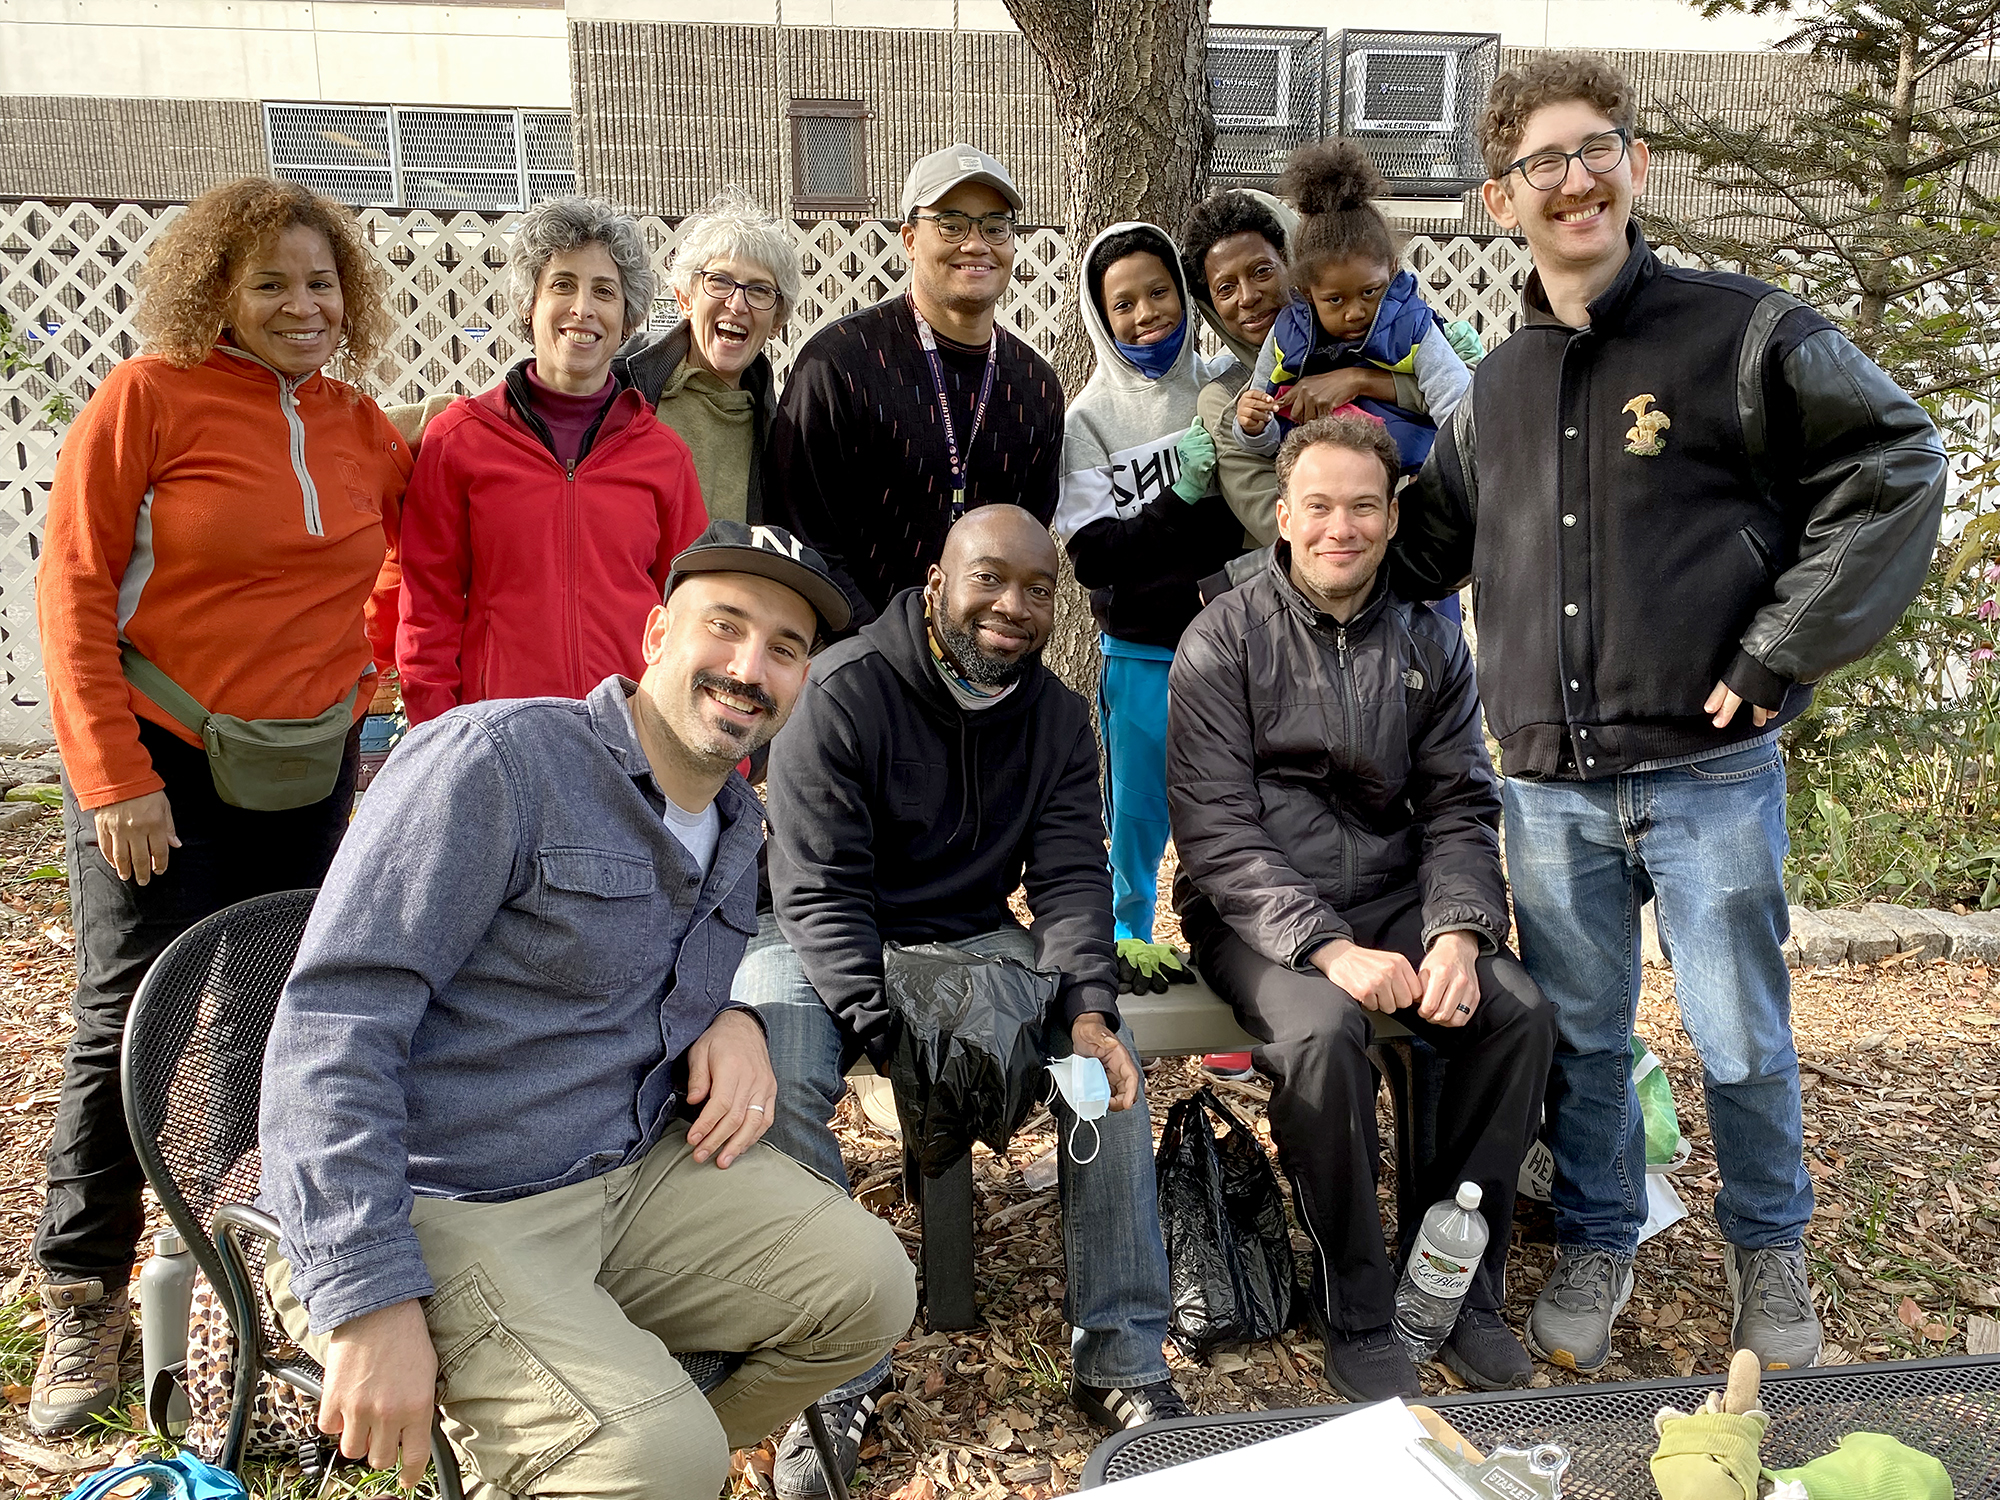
x: 749, y: 692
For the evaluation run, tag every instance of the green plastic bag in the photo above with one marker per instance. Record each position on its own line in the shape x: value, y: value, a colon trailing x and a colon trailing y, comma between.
x: 1664, y: 1146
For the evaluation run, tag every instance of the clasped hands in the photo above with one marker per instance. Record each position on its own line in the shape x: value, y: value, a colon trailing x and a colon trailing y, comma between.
x: 1443, y: 988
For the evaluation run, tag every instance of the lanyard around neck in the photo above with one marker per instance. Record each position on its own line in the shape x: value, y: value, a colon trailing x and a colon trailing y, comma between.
x: 959, y: 461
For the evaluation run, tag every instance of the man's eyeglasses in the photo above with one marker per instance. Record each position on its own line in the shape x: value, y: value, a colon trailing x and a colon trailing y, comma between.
x: 1544, y: 171
x: 952, y: 226
x: 759, y: 294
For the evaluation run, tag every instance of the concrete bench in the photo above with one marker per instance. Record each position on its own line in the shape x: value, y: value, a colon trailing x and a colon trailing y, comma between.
x: 1189, y: 1019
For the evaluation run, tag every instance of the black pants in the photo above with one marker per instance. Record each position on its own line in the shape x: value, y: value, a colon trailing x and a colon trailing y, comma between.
x: 93, y: 1218
x: 1314, y: 1040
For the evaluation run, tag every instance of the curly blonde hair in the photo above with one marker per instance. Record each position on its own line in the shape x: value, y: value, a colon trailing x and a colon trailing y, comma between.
x: 191, y: 270
x: 1551, y: 78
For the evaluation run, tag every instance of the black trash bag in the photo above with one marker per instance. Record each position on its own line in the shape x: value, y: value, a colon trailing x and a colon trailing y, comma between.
x: 1229, y: 1250
x: 966, y: 1045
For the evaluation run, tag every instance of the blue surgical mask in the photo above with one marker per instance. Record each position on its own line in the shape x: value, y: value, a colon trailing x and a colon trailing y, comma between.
x: 1086, y: 1089
x: 1154, y: 360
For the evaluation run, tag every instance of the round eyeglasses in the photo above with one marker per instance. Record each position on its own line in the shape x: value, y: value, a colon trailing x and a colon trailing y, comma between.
x: 952, y: 226
x: 760, y: 295
x: 1545, y: 171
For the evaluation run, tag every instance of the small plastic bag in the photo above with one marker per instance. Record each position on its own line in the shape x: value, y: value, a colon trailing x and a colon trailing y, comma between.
x: 183, y: 1477
x: 966, y: 1048
x: 1229, y: 1250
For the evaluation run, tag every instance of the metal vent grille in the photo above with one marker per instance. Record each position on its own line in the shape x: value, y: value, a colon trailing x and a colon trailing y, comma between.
x: 346, y: 152
x: 446, y: 160
x: 1267, y: 87
x: 829, y: 158
x: 1411, y: 100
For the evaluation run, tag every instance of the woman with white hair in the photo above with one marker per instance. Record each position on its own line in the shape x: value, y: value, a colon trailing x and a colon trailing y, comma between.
x: 736, y: 278
x: 543, y: 514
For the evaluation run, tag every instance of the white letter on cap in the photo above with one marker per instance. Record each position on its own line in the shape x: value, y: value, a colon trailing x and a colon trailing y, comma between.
x: 766, y: 537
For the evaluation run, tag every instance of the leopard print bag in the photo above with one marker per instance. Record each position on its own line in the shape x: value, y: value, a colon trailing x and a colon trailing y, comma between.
x: 283, y: 1421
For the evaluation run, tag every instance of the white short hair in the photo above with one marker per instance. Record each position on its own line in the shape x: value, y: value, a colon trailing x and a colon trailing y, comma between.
x: 731, y: 226
x: 562, y: 224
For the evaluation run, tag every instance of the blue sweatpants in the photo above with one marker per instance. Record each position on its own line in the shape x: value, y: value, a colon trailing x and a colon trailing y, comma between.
x: 1132, y: 713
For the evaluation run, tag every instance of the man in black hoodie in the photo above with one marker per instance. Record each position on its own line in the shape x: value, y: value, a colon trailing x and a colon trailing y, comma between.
x: 932, y: 766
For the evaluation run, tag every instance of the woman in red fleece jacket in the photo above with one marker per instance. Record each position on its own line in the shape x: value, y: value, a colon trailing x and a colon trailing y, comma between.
x: 222, y: 507
x: 544, y: 514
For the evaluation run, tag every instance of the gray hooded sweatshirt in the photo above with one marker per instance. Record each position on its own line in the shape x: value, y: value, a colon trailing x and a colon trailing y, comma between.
x: 1136, y: 545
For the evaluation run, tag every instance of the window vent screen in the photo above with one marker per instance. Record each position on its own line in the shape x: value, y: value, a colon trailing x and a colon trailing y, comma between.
x: 423, y: 157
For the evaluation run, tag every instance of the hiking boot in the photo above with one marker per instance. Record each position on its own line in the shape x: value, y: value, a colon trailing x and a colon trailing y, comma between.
x: 1571, y: 1323
x: 797, y: 1475
x: 1774, y: 1313
x: 1483, y: 1352
x: 1114, y: 1408
x: 81, y: 1342
x: 1370, y: 1366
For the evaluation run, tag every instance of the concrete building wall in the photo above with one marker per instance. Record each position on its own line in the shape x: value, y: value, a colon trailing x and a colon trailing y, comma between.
x: 166, y: 149
x: 378, y: 51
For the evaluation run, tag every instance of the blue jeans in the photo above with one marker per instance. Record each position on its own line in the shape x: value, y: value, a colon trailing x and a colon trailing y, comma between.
x: 1116, y: 1299
x: 1132, y: 715
x: 1708, y: 842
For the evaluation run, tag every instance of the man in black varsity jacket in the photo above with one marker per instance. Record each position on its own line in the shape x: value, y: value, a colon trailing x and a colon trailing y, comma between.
x: 1683, y: 498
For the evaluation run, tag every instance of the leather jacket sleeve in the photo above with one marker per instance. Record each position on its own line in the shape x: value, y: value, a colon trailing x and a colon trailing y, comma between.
x: 1431, y: 556
x: 1213, y: 802
x: 1865, y: 470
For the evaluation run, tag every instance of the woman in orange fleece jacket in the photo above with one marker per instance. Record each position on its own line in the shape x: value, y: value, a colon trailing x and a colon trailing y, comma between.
x: 224, y: 508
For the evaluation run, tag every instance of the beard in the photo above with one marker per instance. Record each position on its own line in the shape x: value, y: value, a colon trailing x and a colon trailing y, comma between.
x: 961, y: 643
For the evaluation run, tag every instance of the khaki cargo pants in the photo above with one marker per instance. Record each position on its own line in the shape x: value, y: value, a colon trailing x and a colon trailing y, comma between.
x: 554, y: 1315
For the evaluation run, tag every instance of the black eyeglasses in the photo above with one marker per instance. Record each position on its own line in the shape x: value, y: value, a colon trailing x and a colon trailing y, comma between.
x: 1544, y: 171
x: 760, y: 295
x: 952, y: 226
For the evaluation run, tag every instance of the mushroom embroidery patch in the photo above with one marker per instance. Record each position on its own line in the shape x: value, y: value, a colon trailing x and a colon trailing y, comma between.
x: 1646, y: 437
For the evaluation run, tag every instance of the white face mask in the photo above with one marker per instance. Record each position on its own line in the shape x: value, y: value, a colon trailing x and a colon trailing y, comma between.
x: 1086, y: 1089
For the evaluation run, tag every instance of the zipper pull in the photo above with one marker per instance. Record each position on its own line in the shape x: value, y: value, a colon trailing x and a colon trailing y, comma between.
x: 1340, y: 641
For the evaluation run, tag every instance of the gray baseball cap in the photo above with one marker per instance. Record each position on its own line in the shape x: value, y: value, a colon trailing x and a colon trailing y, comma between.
x: 941, y: 171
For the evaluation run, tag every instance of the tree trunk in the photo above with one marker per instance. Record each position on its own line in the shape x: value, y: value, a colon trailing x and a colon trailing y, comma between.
x: 1892, y: 193
x: 1130, y: 87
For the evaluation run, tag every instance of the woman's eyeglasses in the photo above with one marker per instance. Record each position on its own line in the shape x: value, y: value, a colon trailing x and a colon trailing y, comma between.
x: 759, y: 294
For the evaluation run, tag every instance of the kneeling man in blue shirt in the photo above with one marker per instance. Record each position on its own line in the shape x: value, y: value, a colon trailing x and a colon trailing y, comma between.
x: 506, y: 1079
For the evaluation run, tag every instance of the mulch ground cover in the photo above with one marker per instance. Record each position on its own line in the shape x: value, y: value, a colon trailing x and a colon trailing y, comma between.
x: 1902, y: 1113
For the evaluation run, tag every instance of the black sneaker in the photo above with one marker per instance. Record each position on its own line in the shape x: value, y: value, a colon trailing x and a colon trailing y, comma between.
x: 797, y: 1474
x: 1483, y: 1352
x: 1115, y: 1408
x: 1370, y: 1366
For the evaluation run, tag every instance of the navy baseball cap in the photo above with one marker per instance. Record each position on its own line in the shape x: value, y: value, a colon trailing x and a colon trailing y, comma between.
x: 768, y: 552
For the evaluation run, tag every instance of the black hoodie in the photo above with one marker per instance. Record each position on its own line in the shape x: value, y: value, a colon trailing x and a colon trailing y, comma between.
x: 897, y: 816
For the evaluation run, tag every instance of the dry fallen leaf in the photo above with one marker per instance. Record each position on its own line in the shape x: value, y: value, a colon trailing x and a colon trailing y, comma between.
x: 1909, y: 1314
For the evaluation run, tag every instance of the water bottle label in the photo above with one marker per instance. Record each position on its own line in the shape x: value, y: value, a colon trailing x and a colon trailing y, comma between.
x: 1446, y: 1277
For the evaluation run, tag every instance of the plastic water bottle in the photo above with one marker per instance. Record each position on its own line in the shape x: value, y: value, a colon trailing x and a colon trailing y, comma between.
x: 1439, y: 1272
x: 166, y: 1288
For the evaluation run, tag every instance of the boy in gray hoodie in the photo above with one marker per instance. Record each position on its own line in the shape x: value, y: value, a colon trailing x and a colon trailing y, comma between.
x: 1143, y: 524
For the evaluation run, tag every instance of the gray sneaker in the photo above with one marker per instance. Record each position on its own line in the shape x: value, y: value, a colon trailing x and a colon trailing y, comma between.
x: 1774, y: 1313
x: 1571, y: 1323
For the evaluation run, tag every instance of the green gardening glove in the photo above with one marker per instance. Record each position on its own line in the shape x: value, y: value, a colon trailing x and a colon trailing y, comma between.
x: 1871, y: 1466
x: 1197, y: 454
x: 1465, y: 342
x: 1148, y: 968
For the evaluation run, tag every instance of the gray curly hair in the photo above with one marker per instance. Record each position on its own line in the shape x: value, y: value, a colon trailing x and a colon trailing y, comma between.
x: 731, y: 226
x: 562, y: 224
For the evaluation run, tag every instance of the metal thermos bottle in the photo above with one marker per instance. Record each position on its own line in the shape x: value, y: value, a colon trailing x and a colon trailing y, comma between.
x: 166, y: 1287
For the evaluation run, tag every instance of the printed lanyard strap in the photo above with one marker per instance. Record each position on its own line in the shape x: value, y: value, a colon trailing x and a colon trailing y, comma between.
x: 958, y: 460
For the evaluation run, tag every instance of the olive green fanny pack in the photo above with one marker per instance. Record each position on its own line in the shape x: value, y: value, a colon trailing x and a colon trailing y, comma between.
x: 264, y: 765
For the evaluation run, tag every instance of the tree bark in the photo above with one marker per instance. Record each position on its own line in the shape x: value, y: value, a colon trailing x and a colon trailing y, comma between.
x: 1130, y: 87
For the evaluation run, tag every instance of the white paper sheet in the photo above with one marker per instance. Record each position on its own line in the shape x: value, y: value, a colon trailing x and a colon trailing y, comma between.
x: 1369, y: 1451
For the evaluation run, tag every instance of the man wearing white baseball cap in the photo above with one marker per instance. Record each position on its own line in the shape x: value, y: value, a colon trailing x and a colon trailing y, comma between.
x: 899, y: 418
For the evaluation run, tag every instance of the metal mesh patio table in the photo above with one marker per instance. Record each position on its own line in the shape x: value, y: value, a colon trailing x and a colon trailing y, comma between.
x: 1946, y: 1407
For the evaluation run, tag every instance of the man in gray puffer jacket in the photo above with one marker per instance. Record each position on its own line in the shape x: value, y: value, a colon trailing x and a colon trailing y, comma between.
x: 1337, y: 824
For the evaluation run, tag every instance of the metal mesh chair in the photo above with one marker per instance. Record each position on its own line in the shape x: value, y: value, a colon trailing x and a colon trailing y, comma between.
x: 192, y: 1070
x: 1946, y: 1407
